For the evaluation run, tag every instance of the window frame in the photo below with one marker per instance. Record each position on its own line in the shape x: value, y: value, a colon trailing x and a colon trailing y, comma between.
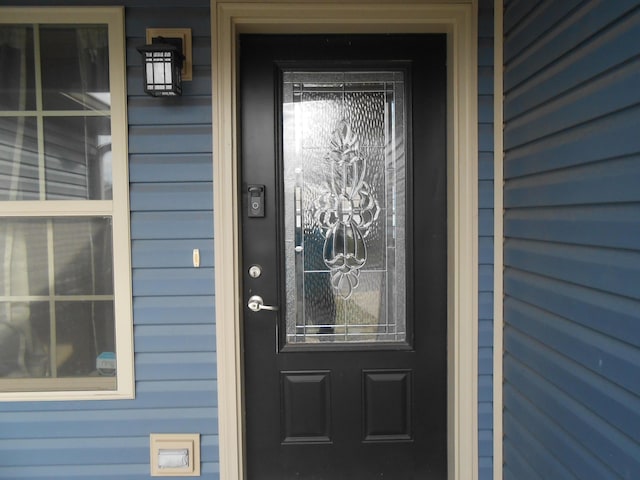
x: 86, y: 388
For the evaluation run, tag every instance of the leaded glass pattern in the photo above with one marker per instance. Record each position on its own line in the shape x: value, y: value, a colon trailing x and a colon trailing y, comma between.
x: 344, y: 181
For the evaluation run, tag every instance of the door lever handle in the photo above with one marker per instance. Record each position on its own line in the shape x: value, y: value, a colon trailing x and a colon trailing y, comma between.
x: 256, y: 303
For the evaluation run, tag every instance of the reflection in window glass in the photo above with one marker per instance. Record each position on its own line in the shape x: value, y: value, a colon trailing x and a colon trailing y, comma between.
x: 17, y: 77
x: 56, y: 296
x: 58, y: 218
x: 82, y: 256
x: 77, y: 164
x: 84, y: 330
x: 19, y: 175
x: 75, y: 67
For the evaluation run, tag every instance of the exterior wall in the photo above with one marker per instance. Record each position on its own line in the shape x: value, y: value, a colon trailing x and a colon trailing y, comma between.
x: 171, y: 214
x: 485, y: 240
x: 572, y: 243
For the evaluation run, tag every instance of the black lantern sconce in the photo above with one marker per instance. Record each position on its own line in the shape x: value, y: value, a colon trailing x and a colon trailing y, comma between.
x: 164, y: 58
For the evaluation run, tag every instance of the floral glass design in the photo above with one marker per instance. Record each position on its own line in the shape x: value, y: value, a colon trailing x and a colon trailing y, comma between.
x: 344, y: 195
x: 347, y: 211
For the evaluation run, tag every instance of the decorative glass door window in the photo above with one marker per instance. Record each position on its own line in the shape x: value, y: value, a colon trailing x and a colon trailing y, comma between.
x: 344, y: 194
x: 60, y: 218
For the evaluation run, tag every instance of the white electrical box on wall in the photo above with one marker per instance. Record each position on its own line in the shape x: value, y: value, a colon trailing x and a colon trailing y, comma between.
x: 175, y: 454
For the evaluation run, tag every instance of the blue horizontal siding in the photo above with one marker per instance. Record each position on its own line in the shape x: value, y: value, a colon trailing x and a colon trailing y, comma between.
x: 572, y: 240
x: 177, y: 367
x: 603, y: 182
x: 147, y: 110
x: 540, y: 21
x: 485, y: 397
x: 608, y: 226
x: 612, y: 359
x: 190, y: 309
x: 171, y: 196
x: 171, y: 225
x: 94, y: 472
x: 151, y: 393
x: 518, y: 467
x: 485, y: 468
x: 572, y: 455
x: 173, y: 281
x: 612, y: 91
x: 609, y: 314
x: 515, y: 11
x: 106, y: 423
x: 485, y: 331
x: 608, y: 270
x: 175, y: 338
x: 485, y: 250
x: 603, y: 442
x: 170, y: 167
x: 485, y: 222
x: 582, y: 45
x: 170, y: 138
x: 485, y: 165
x: 606, y: 138
x: 543, y: 466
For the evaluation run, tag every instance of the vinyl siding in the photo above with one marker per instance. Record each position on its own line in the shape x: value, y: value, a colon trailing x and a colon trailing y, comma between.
x: 485, y: 240
x: 572, y: 243
x: 171, y: 214
x: 173, y: 304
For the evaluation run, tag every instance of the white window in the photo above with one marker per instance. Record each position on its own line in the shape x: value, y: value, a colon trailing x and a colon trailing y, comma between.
x: 65, y: 282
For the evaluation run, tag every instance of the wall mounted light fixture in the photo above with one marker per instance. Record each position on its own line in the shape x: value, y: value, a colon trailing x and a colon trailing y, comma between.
x: 166, y: 61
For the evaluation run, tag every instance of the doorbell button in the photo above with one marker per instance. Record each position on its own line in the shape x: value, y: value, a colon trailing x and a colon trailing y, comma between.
x: 256, y: 201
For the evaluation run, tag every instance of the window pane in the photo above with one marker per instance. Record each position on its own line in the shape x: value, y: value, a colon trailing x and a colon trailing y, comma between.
x: 18, y: 159
x: 84, y: 330
x: 25, y: 339
x: 17, y: 72
x: 25, y: 257
x: 78, y: 158
x: 83, y: 256
x: 61, y: 324
x: 344, y: 169
x: 75, y: 67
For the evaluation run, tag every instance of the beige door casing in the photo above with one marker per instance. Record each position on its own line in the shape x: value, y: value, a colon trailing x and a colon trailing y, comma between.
x: 459, y: 22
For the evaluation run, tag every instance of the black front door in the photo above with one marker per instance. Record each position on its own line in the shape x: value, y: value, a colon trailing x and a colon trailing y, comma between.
x: 344, y: 248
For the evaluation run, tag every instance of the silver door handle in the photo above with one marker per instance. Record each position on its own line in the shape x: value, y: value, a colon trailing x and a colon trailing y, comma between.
x: 256, y: 303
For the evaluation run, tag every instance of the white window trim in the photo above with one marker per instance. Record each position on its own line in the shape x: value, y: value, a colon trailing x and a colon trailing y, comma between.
x: 118, y: 208
x: 459, y: 21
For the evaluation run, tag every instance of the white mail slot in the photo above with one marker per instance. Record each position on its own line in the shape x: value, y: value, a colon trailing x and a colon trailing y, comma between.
x: 173, y: 458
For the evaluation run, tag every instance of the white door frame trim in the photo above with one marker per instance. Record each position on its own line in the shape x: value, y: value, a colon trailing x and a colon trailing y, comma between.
x: 459, y: 22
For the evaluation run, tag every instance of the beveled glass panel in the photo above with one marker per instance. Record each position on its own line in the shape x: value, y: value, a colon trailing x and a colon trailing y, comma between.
x: 78, y: 158
x: 344, y: 192
x: 17, y: 77
x: 75, y: 67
